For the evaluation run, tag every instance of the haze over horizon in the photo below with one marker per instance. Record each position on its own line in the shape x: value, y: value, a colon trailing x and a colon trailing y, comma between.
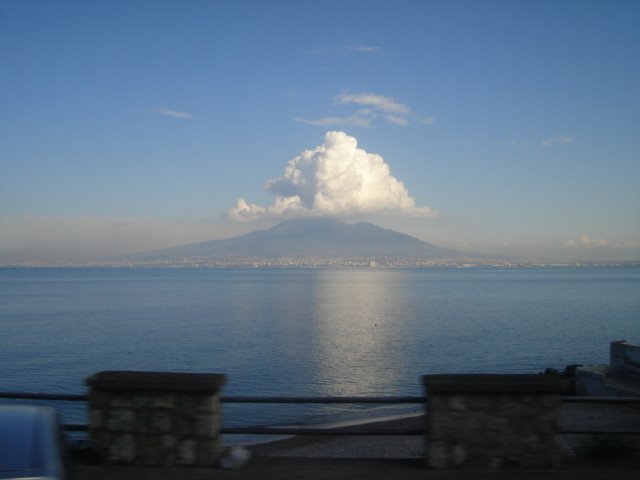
x: 510, y: 128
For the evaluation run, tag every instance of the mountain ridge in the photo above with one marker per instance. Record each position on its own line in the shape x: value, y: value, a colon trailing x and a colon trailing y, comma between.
x: 321, y: 237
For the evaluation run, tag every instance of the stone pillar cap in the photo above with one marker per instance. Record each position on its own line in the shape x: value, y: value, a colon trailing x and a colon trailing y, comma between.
x: 495, y: 383
x: 157, y: 381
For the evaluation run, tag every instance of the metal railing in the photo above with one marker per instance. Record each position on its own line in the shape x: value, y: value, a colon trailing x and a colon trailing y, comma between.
x: 601, y: 400
x: 324, y: 431
x: 62, y: 397
x: 258, y: 430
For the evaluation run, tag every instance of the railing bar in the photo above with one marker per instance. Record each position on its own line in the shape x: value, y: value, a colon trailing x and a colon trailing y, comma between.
x: 285, y: 399
x: 317, y: 431
x: 44, y: 396
x: 324, y: 431
x: 289, y: 431
x: 232, y: 399
x: 578, y: 399
x: 607, y: 432
x: 313, y: 431
x: 381, y: 400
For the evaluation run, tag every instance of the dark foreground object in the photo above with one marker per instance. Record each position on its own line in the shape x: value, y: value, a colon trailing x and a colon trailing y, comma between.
x: 31, y: 443
x: 272, y: 468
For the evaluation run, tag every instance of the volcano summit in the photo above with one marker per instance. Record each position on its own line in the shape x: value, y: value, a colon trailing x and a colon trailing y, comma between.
x: 304, y: 239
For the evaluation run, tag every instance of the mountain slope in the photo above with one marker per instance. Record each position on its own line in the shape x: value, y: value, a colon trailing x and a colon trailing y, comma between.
x: 312, y: 238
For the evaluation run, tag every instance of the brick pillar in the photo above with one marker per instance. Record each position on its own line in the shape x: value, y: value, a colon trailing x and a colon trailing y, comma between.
x: 493, y: 421
x: 155, y: 418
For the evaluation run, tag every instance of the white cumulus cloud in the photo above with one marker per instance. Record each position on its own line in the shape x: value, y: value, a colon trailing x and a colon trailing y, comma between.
x: 335, y: 179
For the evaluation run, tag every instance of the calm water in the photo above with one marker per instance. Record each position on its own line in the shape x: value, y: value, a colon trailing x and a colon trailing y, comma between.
x: 307, y: 331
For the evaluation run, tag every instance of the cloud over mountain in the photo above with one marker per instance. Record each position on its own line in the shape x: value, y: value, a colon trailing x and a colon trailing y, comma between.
x: 335, y: 179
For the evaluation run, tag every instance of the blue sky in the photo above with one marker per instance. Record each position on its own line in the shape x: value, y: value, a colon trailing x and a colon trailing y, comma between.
x: 134, y: 125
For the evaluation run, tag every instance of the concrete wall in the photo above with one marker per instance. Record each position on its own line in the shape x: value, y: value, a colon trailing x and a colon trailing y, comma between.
x: 625, y: 357
x: 620, y: 378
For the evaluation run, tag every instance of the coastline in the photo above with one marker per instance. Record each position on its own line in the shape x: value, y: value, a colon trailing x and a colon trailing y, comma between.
x: 352, y: 446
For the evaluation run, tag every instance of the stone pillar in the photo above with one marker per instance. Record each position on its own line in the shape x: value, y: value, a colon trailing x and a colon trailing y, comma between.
x: 155, y: 418
x: 493, y: 421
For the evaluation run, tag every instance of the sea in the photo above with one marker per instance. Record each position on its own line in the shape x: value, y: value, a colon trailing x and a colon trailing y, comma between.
x: 306, y: 331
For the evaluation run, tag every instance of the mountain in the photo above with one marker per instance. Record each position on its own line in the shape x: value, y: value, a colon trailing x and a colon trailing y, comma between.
x: 320, y: 238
